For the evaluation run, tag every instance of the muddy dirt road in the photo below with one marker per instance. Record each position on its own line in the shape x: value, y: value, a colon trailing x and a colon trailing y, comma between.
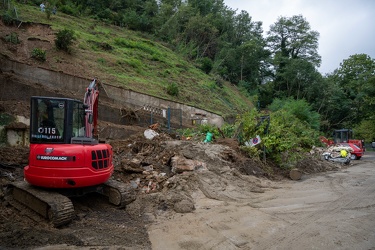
x: 332, y: 210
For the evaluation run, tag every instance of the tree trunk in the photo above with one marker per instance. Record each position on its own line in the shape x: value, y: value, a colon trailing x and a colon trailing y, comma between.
x: 295, y: 174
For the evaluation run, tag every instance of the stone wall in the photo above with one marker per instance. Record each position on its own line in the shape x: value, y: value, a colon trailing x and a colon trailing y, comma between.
x: 55, y: 80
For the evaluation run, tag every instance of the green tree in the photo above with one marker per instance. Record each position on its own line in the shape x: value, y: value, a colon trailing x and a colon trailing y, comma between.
x: 50, y: 5
x: 356, y: 76
x: 334, y: 107
x: 301, y: 109
x: 200, y: 35
x: 366, y: 129
x: 294, y: 52
x: 288, y: 137
x: 166, y: 25
x: 242, y: 56
x: 206, y: 7
x: 171, y: 23
x: 301, y: 80
x: 292, y: 38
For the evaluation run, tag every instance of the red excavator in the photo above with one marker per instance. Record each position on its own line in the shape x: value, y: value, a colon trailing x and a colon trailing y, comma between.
x: 66, y: 158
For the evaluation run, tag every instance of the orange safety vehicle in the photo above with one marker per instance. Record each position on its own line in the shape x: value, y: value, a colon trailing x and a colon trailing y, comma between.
x: 66, y: 158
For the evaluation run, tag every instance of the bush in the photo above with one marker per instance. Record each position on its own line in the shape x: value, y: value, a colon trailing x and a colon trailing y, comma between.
x: 64, y: 39
x: 301, y: 109
x: 12, y: 38
x: 105, y: 14
x: 228, y: 130
x: 285, y: 137
x: 204, y: 128
x: 199, y: 132
x: 172, y: 89
x: 69, y: 10
x: 39, y: 54
x: 8, y: 18
x: 206, y: 65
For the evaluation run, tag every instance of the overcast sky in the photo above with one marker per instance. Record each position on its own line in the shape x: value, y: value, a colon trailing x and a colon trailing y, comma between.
x: 346, y: 27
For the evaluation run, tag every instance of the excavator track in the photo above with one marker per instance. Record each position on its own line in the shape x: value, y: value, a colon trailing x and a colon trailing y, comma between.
x: 118, y: 193
x: 58, y: 209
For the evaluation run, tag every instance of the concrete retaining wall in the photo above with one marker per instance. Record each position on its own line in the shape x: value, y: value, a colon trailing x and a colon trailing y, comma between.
x: 117, y: 95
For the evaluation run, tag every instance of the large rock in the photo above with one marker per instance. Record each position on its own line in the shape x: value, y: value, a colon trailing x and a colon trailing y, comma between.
x: 181, y: 164
x: 133, y: 165
x: 184, y: 206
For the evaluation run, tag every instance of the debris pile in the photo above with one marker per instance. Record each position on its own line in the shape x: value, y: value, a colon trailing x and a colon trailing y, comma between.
x: 313, y: 162
x: 166, y: 173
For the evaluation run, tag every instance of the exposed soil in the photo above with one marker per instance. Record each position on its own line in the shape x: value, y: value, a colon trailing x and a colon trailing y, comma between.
x: 32, y: 36
x: 171, y: 177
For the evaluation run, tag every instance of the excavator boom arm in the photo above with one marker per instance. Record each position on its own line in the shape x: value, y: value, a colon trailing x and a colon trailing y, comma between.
x: 91, y: 108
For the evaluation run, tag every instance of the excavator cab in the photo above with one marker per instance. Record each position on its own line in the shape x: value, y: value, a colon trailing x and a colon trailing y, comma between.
x: 342, y: 135
x: 56, y: 120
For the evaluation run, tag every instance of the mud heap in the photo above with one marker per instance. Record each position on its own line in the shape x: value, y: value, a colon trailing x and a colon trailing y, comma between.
x: 167, y: 172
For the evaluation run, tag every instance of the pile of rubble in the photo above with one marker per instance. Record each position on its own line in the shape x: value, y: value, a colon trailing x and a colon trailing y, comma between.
x: 313, y: 162
x: 165, y: 172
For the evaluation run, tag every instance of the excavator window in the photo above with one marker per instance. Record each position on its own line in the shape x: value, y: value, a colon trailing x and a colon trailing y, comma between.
x: 78, y: 120
x: 47, y: 120
x: 342, y: 135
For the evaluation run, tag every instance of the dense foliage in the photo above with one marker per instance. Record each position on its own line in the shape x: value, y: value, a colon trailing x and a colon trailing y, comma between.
x: 284, y: 136
x: 64, y: 39
x: 300, y: 109
x: 353, y: 88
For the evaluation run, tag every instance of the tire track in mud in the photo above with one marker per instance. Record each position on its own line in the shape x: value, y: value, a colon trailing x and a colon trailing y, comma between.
x: 336, y: 184
x: 351, y: 199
